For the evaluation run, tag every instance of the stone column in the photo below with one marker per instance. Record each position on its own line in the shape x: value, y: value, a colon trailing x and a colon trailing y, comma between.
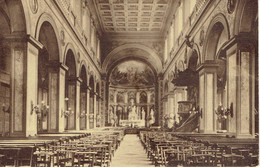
x: 241, y: 59
x: 208, y: 95
x: 19, y: 59
x: 165, y: 108
x: 160, y: 102
x: 126, y: 97
x: 95, y: 109
x: 170, y: 104
x: 77, y: 111
x: 20, y: 105
x: 23, y: 53
x: 99, y: 111
x: 149, y: 97
x: 137, y: 97
x: 73, y: 89
x: 83, y: 105
x: 62, y: 71
x: 87, y: 115
x: 115, y: 97
x: 103, y: 109
x: 53, y: 114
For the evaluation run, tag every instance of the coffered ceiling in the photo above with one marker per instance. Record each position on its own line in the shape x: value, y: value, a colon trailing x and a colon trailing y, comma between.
x: 133, y: 16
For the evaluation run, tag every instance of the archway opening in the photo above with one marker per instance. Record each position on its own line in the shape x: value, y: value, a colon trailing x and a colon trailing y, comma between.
x: 91, y: 102
x: 5, y: 73
x: 217, y: 36
x: 98, y: 114
x: 213, y: 78
x: 83, y: 98
x: 70, y: 91
x: 48, y: 79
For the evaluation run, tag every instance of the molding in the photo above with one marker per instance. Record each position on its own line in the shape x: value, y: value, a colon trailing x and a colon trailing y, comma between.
x: 207, y: 64
x: 137, y: 35
x: 34, y: 42
x: 64, y: 67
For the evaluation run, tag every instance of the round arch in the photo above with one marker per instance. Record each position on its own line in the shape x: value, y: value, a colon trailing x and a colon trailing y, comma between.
x: 71, y: 49
x: 17, y: 16
x: 45, y: 17
x: 71, y: 63
x: 27, y: 17
x: 245, y: 14
x: 155, y: 60
x: 143, y: 97
x: 48, y: 39
x: 194, y: 49
x: 82, y: 65
x: 114, y: 64
x: 98, y: 88
x: 83, y: 74
x: 193, y: 60
x: 217, y: 29
x: 92, y: 82
x: 5, y: 26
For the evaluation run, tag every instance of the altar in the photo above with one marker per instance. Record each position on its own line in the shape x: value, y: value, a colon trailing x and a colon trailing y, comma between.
x: 132, y: 123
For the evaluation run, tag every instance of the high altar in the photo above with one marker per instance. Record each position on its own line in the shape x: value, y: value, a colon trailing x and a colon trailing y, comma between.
x: 132, y: 96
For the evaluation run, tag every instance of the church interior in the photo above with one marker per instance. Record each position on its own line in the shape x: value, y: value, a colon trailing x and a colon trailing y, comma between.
x: 129, y: 83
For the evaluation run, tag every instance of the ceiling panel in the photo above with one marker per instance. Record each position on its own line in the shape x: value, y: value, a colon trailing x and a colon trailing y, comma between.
x: 132, y: 15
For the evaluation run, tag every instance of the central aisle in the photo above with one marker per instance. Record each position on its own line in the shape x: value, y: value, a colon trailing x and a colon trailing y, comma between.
x: 131, y: 154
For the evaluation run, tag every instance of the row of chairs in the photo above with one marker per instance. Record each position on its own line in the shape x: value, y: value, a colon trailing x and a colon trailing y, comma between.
x: 92, y: 150
x: 95, y: 149
x: 23, y: 154
x: 167, y: 149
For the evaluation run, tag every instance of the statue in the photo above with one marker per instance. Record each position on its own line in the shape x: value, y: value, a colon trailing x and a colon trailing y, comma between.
x: 111, y: 116
x: 170, y: 120
x: 152, y: 119
x: 132, y: 113
x: 143, y: 114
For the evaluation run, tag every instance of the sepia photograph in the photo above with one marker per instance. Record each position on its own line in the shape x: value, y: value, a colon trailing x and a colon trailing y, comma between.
x: 129, y: 83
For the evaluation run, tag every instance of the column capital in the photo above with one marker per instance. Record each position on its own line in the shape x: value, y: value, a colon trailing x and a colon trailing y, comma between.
x: 57, y: 64
x: 64, y: 67
x: 244, y: 39
x: 34, y: 42
x: 179, y: 88
x: 208, y: 64
x: 79, y: 80
x: 75, y: 79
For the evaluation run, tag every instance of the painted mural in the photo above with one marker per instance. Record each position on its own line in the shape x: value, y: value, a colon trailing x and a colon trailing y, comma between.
x: 133, y: 74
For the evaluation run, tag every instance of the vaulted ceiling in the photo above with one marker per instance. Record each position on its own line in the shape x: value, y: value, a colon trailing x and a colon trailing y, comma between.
x: 132, y: 30
x: 133, y: 16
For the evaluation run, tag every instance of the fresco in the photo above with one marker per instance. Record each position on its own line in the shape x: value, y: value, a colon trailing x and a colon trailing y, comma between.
x: 133, y: 74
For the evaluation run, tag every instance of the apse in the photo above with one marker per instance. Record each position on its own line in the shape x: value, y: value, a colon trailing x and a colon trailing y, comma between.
x: 131, y: 92
x: 132, y: 74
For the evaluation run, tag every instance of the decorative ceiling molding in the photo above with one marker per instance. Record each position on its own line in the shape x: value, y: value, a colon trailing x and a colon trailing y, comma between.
x: 136, y: 17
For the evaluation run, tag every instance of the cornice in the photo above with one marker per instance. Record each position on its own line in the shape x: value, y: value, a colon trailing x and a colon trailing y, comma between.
x: 170, y: 16
x: 133, y: 36
x: 95, y: 17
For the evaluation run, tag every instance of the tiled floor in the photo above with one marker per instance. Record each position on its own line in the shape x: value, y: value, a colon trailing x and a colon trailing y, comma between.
x: 131, y: 154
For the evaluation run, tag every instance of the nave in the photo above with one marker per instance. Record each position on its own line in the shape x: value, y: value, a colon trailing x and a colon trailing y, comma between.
x: 114, y: 147
x: 131, y: 153
x: 78, y: 75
